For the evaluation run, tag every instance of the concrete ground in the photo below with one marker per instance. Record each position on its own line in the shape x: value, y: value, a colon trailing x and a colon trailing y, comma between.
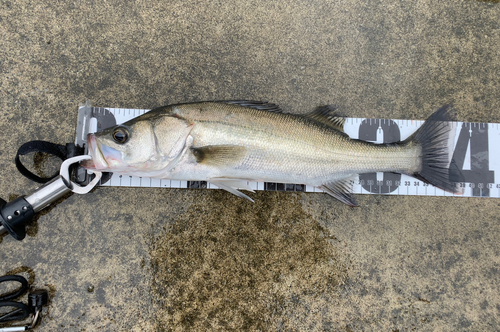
x: 196, y: 260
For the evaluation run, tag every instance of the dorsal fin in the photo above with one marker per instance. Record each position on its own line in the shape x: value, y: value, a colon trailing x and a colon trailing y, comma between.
x: 258, y: 105
x: 326, y: 115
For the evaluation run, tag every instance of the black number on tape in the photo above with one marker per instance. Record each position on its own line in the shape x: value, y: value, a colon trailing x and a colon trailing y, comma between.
x: 473, y: 137
x: 368, y: 132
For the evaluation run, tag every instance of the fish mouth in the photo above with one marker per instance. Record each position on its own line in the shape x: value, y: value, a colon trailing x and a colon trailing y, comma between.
x: 98, y: 161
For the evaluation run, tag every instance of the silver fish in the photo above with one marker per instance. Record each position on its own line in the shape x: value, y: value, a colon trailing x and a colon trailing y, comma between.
x: 229, y: 143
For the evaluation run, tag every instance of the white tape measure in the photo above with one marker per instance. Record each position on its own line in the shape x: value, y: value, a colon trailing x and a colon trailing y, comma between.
x: 476, y: 154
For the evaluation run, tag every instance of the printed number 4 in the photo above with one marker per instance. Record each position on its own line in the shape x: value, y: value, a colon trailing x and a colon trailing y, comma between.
x: 474, y: 136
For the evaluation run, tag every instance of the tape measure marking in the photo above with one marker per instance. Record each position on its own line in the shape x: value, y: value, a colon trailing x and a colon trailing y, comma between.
x: 476, y: 153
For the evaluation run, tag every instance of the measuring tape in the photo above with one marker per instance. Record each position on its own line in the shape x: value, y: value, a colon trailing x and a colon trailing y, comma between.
x: 476, y: 153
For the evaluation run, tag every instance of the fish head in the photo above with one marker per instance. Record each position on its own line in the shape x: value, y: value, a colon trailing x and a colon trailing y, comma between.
x: 142, y: 147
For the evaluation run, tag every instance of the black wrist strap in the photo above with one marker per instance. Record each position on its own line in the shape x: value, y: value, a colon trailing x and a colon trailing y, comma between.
x: 62, y: 152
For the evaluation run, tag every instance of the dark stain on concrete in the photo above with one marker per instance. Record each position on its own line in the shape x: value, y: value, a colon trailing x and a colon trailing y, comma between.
x: 242, y: 266
x: 44, y: 164
x: 25, y: 271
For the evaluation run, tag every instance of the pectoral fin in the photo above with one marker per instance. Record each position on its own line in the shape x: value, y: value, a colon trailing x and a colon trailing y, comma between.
x: 232, y: 185
x: 219, y: 155
x: 341, y: 190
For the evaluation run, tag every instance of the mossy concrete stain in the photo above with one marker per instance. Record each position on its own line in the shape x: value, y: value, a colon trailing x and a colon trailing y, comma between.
x: 232, y: 265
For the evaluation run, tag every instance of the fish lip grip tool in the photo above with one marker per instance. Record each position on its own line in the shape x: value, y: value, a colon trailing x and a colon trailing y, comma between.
x: 16, y: 214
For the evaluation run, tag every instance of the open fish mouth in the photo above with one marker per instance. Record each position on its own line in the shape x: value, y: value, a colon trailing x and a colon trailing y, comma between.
x: 98, y: 161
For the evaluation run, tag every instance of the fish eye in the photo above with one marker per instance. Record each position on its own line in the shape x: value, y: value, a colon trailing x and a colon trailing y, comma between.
x: 120, y: 135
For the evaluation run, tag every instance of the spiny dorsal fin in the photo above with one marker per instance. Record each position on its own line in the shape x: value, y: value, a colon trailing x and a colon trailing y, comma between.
x: 326, y: 115
x: 341, y: 190
x: 258, y: 105
x: 219, y: 155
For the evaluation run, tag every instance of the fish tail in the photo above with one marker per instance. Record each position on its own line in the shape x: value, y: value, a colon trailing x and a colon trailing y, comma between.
x: 436, y: 139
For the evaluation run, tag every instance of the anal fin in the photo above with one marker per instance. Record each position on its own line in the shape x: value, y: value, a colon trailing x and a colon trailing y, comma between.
x: 341, y: 190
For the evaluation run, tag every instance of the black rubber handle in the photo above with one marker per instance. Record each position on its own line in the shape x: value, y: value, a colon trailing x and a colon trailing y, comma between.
x: 15, y: 215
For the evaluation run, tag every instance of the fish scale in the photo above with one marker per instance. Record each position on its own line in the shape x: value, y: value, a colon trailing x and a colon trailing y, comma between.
x: 301, y: 149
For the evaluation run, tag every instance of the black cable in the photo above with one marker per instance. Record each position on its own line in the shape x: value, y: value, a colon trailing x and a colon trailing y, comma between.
x: 21, y: 311
x: 18, y: 292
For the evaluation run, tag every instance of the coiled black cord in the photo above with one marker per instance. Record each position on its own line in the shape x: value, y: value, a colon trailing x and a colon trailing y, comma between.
x: 21, y: 311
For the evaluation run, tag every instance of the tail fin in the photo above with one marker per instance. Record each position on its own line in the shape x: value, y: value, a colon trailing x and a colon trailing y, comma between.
x: 436, y: 139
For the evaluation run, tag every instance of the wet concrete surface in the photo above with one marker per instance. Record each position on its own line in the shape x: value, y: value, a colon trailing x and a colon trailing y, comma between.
x: 194, y: 260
